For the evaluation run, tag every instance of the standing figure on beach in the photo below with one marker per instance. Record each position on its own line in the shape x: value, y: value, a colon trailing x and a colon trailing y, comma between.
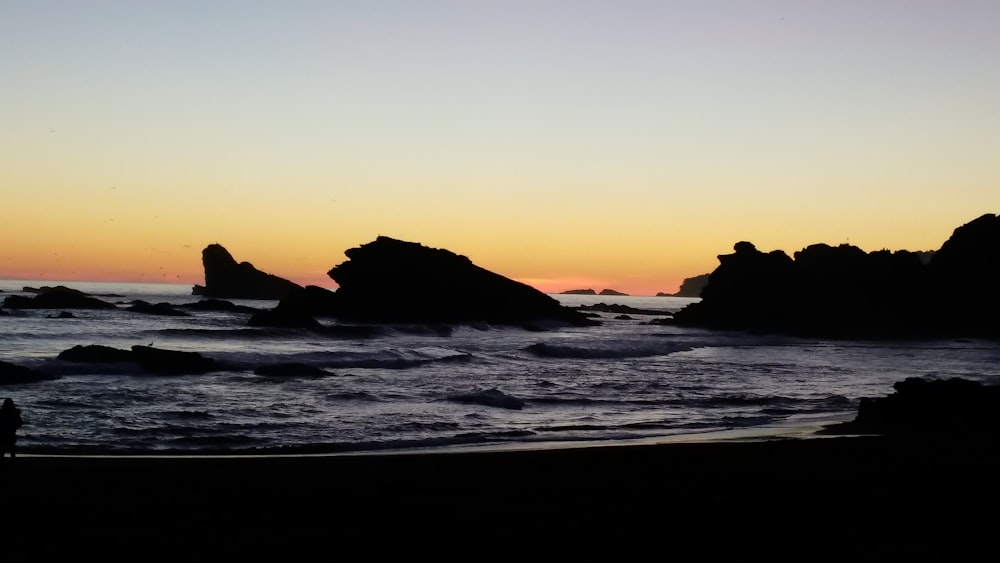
x: 10, y: 421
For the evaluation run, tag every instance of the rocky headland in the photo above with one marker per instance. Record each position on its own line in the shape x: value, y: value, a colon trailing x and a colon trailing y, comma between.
x: 845, y: 292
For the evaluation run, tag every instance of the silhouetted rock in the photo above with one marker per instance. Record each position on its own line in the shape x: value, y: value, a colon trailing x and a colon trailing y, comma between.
x: 966, y: 270
x: 579, y: 292
x: 95, y: 353
x: 49, y: 288
x: 845, y: 292
x: 224, y: 278
x: 12, y: 374
x: 149, y: 359
x: 58, y: 297
x: 926, y: 405
x: 393, y: 281
x: 612, y: 292
x: 172, y: 362
x: 743, y: 292
x: 312, y: 301
x: 690, y: 287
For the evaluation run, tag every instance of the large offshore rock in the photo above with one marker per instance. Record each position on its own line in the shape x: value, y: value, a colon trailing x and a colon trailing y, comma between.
x: 390, y: 280
x: 227, y: 279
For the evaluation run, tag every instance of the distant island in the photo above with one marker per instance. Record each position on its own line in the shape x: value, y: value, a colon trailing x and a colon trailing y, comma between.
x: 591, y: 292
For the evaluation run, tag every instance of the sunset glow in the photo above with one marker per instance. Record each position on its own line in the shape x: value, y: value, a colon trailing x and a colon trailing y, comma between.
x: 565, y: 144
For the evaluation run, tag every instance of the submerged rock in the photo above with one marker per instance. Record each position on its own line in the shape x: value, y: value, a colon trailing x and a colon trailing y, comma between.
x: 11, y: 374
x: 164, y: 309
x: 290, y: 369
x: 490, y: 398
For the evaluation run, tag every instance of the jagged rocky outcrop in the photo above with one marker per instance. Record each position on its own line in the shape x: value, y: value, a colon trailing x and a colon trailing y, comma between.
x: 395, y: 281
x: 927, y: 406
x: 845, y: 292
x: 227, y: 279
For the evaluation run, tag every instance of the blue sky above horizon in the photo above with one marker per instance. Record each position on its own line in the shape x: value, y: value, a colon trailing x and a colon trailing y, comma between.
x: 566, y: 144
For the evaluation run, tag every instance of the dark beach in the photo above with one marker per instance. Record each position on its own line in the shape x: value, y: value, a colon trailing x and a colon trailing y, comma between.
x: 858, y: 497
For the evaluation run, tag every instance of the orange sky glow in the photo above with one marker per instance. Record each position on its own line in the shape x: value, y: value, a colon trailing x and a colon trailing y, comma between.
x: 563, y: 144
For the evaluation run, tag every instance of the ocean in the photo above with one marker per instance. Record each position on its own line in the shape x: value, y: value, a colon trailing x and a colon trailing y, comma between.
x: 411, y: 388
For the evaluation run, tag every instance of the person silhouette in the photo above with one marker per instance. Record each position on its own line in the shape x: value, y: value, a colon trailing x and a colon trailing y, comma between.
x: 10, y: 421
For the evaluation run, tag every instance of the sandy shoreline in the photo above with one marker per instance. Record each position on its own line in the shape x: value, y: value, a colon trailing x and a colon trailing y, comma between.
x: 856, y: 495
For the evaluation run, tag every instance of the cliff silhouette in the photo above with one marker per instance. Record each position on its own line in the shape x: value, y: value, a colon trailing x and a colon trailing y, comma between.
x: 845, y: 292
x: 690, y: 287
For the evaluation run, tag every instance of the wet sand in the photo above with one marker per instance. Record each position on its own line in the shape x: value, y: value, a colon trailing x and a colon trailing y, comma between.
x: 857, y: 497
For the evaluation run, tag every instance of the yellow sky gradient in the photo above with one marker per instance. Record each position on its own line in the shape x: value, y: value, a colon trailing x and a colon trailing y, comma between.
x: 564, y: 144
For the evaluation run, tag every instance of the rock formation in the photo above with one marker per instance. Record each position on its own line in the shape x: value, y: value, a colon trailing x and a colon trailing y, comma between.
x: 152, y: 360
x: 591, y: 292
x: 226, y: 279
x: 845, y: 292
x: 925, y: 406
x: 58, y: 297
x: 13, y: 374
x: 394, y: 281
x: 690, y: 287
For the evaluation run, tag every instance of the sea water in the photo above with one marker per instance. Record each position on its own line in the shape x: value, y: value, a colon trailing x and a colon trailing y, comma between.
x: 632, y: 378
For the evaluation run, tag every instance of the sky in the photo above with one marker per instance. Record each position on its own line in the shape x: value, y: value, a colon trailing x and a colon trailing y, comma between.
x: 567, y: 144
